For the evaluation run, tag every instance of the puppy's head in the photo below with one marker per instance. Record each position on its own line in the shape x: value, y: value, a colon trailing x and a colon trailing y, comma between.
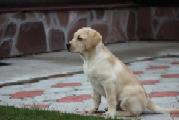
x: 84, y: 40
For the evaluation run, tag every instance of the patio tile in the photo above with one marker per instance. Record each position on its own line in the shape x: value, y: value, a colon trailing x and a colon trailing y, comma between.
x: 72, y: 94
x: 164, y: 94
x: 62, y: 85
x: 23, y: 94
x: 79, y: 98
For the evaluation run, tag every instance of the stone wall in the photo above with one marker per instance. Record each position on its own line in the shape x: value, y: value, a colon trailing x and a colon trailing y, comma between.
x: 35, y: 32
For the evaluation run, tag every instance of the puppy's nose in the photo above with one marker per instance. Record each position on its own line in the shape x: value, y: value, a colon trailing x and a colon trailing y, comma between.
x: 68, y: 46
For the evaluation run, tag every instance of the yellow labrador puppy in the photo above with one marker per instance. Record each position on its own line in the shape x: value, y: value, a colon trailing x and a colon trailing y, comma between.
x: 110, y: 77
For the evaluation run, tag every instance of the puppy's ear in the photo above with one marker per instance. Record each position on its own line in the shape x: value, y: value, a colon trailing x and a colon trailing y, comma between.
x: 95, y: 39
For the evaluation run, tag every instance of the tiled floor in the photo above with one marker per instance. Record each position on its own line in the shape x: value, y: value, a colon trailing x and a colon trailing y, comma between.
x: 160, y: 78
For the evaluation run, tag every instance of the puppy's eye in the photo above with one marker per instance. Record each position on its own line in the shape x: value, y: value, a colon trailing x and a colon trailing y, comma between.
x: 79, y: 38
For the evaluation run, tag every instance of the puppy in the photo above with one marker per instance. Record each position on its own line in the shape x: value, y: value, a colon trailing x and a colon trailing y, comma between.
x: 110, y: 77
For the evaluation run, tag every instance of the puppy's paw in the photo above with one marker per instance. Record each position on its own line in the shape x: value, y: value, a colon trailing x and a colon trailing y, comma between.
x: 92, y: 111
x: 110, y: 114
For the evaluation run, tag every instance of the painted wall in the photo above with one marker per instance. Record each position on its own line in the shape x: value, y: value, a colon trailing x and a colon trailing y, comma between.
x: 36, y: 32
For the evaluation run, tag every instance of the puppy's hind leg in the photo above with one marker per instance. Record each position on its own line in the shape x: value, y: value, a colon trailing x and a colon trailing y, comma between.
x: 135, y: 106
x: 124, y: 114
x: 127, y: 114
x: 118, y: 107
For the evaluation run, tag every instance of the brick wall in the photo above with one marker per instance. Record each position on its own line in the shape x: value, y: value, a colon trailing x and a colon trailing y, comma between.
x: 36, y: 32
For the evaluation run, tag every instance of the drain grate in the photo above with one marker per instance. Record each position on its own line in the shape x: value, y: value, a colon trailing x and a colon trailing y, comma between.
x: 4, y: 64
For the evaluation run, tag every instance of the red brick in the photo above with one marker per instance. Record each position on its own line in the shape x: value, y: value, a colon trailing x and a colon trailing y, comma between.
x: 170, y: 76
x: 131, y: 27
x: 39, y: 106
x: 174, y: 114
x: 5, y: 48
x: 164, y: 94
x: 79, y: 98
x: 165, y: 12
x: 10, y: 30
x: 102, y: 28
x: 168, y: 30
x: 175, y: 62
x: 77, y: 25
x: 158, y: 67
x: 31, y: 38
x: 23, y: 94
x: 56, y: 39
x: 144, y: 23
x: 62, y: 85
x: 63, y: 17
x: 100, y: 14
x: 3, y: 19
x: 117, y: 32
x: 149, y: 82
x: 138, y: 72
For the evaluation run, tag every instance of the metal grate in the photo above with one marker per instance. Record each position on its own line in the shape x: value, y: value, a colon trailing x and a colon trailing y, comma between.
x: 4, y: 64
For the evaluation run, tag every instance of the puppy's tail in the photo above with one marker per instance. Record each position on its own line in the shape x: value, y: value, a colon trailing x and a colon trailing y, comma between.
x: 155, y: 108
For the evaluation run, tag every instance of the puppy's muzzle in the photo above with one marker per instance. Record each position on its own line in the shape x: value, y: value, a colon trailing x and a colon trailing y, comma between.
x: 68, y: 46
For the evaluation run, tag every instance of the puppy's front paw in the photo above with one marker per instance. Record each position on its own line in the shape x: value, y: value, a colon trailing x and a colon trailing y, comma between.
x: 110, y: 114
x: 91, y: 111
